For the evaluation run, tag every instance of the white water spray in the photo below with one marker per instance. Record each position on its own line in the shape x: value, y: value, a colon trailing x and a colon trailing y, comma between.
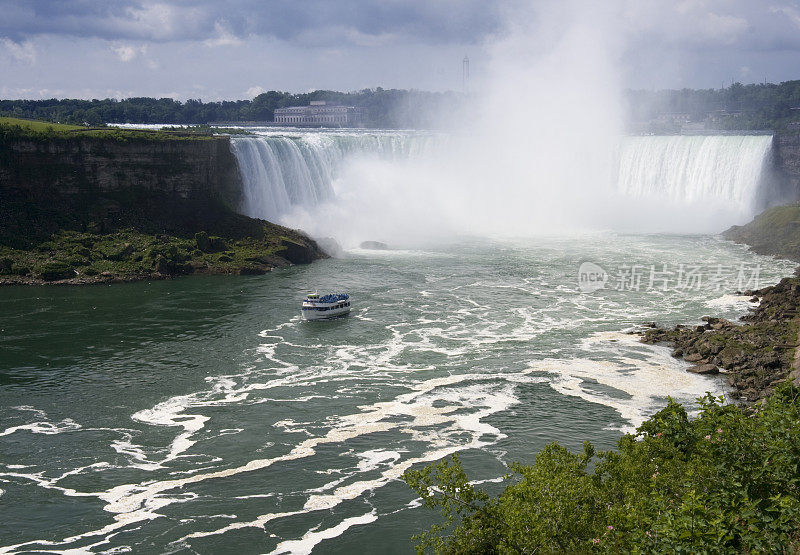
x: 539, y: 150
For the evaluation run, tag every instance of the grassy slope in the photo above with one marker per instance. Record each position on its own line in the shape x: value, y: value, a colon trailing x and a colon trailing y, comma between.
x: 126, y: 254
x: 42, y: 130
x: 39, y: 126
x: 776, y: 231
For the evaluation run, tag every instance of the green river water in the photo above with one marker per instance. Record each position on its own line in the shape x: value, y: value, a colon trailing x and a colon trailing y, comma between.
x: 202, y: 415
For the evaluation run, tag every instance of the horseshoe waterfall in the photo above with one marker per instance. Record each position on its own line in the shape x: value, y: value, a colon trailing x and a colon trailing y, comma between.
x: 282, y: 172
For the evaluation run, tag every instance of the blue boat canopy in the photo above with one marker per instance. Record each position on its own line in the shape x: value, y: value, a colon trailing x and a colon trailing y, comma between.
x: 331, y: 297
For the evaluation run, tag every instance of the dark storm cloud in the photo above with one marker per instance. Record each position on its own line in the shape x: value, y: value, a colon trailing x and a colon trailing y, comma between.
x: 311, y: 22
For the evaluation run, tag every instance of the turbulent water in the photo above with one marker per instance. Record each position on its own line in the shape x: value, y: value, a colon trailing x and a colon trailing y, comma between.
x: 202, y: 415
x: 705, y: 177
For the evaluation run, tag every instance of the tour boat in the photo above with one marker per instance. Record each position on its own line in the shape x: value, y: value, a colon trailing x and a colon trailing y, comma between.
x: 332, y: 305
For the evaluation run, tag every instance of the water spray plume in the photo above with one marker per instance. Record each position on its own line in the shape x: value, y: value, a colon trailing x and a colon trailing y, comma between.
x: 538, y: 148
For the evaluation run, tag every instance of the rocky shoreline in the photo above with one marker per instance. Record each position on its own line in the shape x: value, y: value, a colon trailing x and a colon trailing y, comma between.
x: 82, y: 258
x: 756, y: 355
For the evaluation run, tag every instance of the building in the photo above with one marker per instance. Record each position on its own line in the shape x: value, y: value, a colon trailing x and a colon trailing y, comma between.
x: 318, y: 112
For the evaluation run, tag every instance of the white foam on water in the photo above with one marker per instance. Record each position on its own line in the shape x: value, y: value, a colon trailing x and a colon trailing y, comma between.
x: 372, y: 459
x: 731, y: 301
x: 47, y: 428
x: 310, y: 539
x: 643, y: 381
x: 411, y: 413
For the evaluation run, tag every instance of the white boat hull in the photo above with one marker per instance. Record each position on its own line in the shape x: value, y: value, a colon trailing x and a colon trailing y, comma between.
x: 325, y: 314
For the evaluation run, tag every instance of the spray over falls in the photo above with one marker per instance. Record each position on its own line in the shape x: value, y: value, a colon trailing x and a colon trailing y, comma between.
x: 294, y: 179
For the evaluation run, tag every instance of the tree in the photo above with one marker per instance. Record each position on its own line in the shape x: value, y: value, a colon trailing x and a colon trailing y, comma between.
x: 727, y: 481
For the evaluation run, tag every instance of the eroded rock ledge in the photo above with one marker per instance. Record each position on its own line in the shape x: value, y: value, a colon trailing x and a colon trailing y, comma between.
x: 757, y: 354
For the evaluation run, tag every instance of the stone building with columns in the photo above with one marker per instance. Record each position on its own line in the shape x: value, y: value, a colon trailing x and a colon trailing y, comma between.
x: 320, y: 113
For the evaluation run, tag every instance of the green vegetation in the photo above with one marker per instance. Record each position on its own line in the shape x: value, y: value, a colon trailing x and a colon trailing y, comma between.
x: 84, y: 257
x: 39, y: 126
x: 755, y: 106
x: 775, y: 231
x: 727, y: 481
x: 737, y: 107
x: 383, y: 107
x: 16, y: 128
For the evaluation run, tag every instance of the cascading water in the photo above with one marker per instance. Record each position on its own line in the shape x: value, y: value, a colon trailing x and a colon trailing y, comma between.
x: 694, y: 169
x: 283, y: 171
x: 393, y: 184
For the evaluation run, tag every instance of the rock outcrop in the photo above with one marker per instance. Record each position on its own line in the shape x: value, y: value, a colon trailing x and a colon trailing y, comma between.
x: 757, y: 354
x: 88, y: 208
x: 776, y: 231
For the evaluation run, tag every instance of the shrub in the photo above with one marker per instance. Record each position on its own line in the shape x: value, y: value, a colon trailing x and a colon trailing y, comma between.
x: 52, y: 271
x: 727, y: 481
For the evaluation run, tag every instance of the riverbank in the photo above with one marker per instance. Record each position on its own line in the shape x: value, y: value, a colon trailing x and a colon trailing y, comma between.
x: 775, y: 232
x: 80, y: 258
x: 762, y: 351
x: 756, y: 355
x: 81, y: 205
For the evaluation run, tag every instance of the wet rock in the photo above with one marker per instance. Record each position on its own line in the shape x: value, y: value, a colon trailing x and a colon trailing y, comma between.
x: 252, y: 270
x: 296, y: 253
x: 694, y: 357
x: 202, y: 241
x: 121, y: 252
x: 703, y: 369
x: 374, y: 245
x: 54, y: 271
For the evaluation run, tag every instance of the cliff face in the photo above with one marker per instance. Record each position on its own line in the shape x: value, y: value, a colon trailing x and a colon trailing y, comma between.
x: 98, y: 184
x: 98, y: 209
x: 786, y: 164
x: 202, y: 169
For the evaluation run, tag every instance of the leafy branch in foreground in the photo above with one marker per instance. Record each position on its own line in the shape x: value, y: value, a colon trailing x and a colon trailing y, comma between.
x: 727, y: 482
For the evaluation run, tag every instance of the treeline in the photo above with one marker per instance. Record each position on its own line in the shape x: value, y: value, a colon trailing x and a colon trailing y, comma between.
x: 390, y: 108
x: 755, y: 106
x: 761, y: 106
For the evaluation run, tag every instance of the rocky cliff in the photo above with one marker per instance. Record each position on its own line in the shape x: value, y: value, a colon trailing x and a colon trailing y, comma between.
x: 127, y: 205
x: 785, y: 168
x: 201, y: 168
x: 776, y: 231
x: 99, y: 184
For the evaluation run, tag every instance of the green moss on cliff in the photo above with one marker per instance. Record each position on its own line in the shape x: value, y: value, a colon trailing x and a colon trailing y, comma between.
x: 776, y: 231
x: 85, y: 257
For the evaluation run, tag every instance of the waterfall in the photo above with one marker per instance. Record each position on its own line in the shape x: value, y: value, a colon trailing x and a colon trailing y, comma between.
x: 282, y: 171
x: 659, y: 182
x: 693, y: 170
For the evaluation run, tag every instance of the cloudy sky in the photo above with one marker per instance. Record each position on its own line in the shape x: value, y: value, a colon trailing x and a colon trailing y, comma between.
x: 233, y: 49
